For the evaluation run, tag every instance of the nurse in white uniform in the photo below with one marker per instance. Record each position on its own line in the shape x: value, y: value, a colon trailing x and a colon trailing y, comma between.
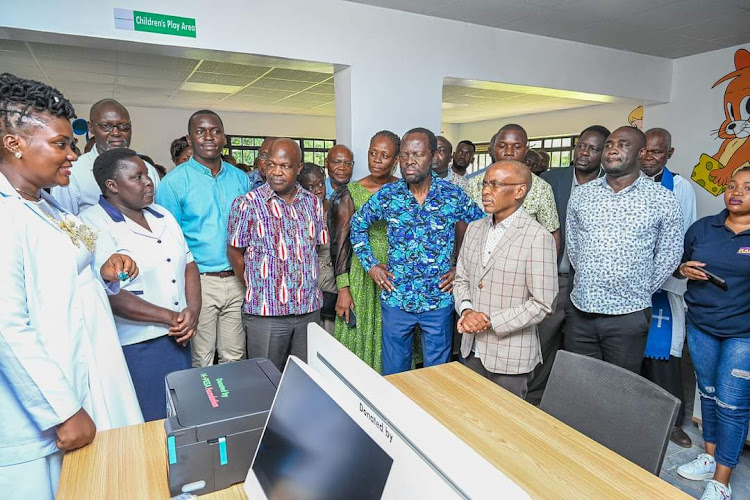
x: 157, y: 313
x: 62, y: 371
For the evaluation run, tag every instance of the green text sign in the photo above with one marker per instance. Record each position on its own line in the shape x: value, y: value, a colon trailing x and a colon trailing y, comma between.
x: 136, y: 20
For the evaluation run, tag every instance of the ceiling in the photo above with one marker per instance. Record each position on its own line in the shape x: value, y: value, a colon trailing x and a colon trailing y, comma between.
x: 666, y: 28
x: 206, y: 79
x: 474, y: 100
x: 85, y: 75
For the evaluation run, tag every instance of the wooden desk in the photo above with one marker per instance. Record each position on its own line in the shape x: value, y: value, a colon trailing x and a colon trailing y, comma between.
x: 542, y: 455
x: 545, y: 457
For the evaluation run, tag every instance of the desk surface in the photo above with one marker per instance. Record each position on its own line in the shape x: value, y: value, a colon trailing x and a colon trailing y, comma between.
x: 545, y: 457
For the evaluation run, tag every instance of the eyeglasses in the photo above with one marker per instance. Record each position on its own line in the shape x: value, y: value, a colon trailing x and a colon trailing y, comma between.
x: 109, y: 127
x: 342, y: 162
x: 497, y: 185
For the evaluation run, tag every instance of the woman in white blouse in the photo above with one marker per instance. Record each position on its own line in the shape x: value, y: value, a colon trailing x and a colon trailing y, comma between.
x: 62, y: 372
x: 157, y: 312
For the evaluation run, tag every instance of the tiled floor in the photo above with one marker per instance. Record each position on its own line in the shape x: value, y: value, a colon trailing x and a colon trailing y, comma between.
x: 677, y: 456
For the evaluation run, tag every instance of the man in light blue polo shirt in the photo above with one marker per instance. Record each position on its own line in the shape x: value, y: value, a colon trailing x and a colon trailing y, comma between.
x: 199, y: 193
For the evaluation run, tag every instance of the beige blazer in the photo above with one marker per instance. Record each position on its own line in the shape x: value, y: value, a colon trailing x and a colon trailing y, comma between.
x: 517, y: 290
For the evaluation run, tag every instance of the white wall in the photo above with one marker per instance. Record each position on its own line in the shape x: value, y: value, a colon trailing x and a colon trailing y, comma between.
x: 398, y: 60
x: 566, y: 122
x: 155, y: 128
x: 694, y: 111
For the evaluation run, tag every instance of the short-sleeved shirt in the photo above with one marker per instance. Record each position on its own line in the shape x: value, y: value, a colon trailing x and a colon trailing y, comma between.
x: 539, y: 202
x: 727, y: 255
x: 420, y: 239
x: 161, y: 254
x: 280, y: 241
x: 200, y: 202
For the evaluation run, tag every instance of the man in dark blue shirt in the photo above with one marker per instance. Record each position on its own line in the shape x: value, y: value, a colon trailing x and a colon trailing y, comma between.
x: 426, y: 217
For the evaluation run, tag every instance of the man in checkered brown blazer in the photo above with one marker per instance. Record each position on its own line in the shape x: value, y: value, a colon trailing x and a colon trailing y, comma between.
x: 506, y: 282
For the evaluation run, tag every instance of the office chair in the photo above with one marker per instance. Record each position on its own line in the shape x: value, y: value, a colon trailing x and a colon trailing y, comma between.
x: 613, y: 406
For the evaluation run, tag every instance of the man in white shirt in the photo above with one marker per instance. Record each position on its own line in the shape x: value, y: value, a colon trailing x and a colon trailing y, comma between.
x: 109, y: 124
x: 666, y: 339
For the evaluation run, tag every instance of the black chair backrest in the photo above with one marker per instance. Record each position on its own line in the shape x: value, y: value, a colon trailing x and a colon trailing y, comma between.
x: 613, y: 406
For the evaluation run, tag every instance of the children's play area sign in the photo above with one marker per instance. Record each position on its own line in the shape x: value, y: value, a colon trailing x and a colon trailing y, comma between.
x: 136, y: 20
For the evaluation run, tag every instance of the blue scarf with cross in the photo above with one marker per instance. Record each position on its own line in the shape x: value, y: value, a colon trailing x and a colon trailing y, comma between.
x: 659, y: 340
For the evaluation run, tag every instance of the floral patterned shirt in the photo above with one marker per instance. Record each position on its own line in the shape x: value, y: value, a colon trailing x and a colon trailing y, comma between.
x: 281, y: 259
x: 539, y: 202
x: 623, y: 245
x: 420, y: 240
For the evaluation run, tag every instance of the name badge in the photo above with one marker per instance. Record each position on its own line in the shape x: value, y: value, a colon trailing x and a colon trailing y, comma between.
x: 744, y: 251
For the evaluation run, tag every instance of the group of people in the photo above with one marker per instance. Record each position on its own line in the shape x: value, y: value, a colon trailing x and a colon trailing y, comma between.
x: 117, y: 277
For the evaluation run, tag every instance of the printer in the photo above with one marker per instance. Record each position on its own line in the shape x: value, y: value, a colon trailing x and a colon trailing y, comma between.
x: 215, y: 418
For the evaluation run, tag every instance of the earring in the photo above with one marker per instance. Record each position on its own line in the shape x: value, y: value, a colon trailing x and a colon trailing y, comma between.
x: 18, y: 154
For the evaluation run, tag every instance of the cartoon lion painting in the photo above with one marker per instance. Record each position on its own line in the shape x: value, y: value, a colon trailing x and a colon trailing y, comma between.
x: 713, y: 172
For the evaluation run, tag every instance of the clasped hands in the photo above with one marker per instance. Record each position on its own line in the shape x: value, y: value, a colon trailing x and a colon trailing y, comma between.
x: 472, y: 322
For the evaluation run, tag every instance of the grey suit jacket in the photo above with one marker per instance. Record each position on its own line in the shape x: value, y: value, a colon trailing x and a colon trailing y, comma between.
x: 517, y: 290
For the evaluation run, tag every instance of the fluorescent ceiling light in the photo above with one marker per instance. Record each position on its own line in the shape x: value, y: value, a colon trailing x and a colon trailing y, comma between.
x: 213, y: 88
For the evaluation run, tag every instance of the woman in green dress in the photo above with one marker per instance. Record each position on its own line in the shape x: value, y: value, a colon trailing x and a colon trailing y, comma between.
x: 357, y: 292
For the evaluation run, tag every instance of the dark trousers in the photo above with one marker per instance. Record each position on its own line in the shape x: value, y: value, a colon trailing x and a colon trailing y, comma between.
x: 551, y: 339
x: 276, y: 337
x: 149, y: 362
x: 667, y: 374
x: 516, y: 384
x: 619, y: 339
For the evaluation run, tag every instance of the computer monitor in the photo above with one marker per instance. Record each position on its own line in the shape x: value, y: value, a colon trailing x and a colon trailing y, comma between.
x: 312, y: 449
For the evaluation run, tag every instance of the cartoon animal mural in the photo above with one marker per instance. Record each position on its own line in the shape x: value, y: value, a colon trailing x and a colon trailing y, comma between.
x: 713, y: 172
x: 635, y: 118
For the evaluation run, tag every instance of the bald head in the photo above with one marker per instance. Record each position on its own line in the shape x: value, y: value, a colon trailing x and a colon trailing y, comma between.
x: 289, y: 148
x: 658, y: 151
x: 98, y: 106
x: 340, y: 165
x: 662, y: 134
x: 283, y: 166
x: 505, y: 186
x: 109, y: 123
x: 623, y: 151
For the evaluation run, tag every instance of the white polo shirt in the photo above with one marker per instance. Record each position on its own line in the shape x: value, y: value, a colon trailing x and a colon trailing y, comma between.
x: 83, y: 191
x: 161, y: 255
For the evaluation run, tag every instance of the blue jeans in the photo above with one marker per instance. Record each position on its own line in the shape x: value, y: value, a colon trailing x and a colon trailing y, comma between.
x: 398, y: 335
x: 722, y: 369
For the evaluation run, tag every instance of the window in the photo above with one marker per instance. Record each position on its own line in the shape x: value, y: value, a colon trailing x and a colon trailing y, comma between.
x: 560, y: 151
x: 245, y: 148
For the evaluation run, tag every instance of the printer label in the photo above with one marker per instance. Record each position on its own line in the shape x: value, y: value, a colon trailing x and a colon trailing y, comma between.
x: 209, y: 390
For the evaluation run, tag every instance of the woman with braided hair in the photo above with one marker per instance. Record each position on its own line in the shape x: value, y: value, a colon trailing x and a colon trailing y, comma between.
x: 62, y: 371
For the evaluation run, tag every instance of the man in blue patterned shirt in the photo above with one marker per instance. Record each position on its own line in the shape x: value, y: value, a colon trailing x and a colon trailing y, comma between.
x: 426, y: 218
x: 624, y: 239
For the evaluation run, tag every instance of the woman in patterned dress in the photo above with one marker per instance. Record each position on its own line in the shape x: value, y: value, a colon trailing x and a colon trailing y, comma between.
x: 357, y: 292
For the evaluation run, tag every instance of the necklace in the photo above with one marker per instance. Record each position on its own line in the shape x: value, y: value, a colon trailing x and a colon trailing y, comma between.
x: 36, y: 198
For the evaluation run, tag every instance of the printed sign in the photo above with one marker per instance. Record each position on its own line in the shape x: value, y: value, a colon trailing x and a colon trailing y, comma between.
x: 136, y: 20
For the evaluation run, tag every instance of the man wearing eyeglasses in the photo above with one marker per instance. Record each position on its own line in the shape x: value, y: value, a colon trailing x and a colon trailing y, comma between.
x: 109, y: 124
x: 506, y: 282
x: 258, y: 175
x: 339, y: 165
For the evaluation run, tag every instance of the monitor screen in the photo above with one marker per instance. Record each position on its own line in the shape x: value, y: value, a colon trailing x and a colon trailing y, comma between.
x: 312, y: 449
